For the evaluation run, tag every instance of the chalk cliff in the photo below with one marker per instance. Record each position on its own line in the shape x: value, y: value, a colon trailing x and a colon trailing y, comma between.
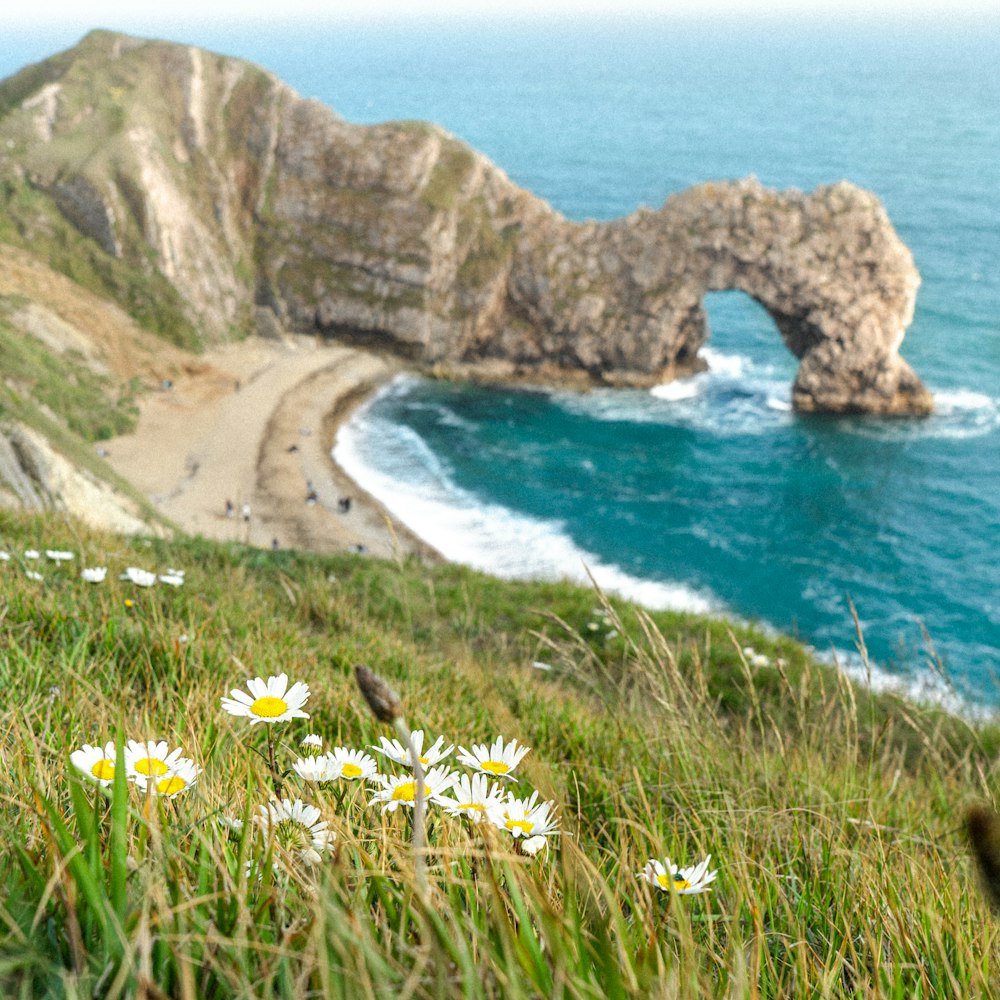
x: 206, y: 195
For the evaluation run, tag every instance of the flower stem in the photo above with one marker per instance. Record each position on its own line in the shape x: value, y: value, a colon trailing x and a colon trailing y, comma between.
x: 272, y: 763
x: 419, y: 841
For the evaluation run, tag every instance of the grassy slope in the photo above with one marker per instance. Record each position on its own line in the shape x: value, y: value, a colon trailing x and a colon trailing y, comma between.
x: 834, y: 819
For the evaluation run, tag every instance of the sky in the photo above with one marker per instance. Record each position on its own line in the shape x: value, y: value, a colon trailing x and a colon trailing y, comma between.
x: 128, y: 13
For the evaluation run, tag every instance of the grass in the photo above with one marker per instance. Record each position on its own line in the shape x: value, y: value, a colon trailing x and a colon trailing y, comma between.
x: 91, y: 405
x: 833, y: 817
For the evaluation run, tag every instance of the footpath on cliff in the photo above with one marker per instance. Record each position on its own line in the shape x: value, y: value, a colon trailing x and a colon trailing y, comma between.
x: 253, y: 424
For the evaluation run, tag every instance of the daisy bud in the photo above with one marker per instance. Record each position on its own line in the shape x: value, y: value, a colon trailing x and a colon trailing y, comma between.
x: 382, y: 700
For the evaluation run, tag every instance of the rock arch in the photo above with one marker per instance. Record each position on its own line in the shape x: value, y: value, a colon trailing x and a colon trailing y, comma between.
x: 827, y: 267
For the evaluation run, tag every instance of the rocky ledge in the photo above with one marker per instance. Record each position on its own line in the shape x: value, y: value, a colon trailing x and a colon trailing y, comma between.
x: 208, y: 179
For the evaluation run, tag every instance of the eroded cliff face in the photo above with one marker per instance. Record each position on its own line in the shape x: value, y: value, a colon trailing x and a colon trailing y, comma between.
x: 253, y: 203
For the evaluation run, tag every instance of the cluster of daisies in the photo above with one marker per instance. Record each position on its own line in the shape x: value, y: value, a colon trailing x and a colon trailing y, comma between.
x: 529, y: 821
x: 151, y: 766
x: 295, y: 830
x: 93, y: 574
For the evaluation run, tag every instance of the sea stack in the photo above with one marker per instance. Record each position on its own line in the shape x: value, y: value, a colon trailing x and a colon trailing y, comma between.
x: 207, y: 196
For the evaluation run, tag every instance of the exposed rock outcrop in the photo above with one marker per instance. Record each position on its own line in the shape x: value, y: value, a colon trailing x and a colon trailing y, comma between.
x: 245, y: 197
x: 33, y: 476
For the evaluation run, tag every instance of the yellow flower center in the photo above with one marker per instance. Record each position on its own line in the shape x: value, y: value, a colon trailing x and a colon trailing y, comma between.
x: 472, y: 805
x: 171, y: 785
x: 351, y: 771
x: 269, y: 708
x: 520, y: 824
x: 424, y: 760
x: 103, y: 770
x: 495, y: 766
x: 129, y: 602
x: 151, y: 767
x: 675, y: 880
x: 406, y: 792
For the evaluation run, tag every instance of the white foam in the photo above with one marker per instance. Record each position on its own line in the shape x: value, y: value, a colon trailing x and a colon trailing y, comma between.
x: 730, y: 366
x: 685, y: 388
x: 958, y: 414
x: 396, y: 466
x: 963, y: 399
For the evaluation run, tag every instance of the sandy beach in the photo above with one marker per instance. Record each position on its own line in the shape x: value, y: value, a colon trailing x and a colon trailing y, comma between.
x: 253, y: 424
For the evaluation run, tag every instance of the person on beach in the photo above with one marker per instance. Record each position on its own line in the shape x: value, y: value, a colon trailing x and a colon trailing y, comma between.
x: 246, y: 513
x: 230, y: 510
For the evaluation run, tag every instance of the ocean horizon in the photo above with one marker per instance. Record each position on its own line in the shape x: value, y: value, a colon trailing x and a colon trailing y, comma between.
x: 709, y: 493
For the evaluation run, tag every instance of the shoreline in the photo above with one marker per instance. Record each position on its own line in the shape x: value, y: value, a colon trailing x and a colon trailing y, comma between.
x: 254, y: 423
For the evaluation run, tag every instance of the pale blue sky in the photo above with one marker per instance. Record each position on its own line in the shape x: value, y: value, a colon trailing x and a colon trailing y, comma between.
x: 132, y: 12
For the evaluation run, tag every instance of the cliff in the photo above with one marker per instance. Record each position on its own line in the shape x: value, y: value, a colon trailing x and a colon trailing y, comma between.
x: 205, y: 195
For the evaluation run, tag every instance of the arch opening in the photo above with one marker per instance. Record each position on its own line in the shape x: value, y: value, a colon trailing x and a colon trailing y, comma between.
x: 742, y: 332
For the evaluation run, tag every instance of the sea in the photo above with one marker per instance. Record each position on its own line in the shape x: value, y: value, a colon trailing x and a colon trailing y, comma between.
x: 709, y: 493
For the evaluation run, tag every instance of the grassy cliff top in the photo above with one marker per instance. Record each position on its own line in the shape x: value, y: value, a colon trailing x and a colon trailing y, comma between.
x: 832, y: 817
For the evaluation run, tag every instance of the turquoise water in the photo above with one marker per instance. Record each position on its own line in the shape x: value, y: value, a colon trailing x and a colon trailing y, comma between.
x: 710, y: 493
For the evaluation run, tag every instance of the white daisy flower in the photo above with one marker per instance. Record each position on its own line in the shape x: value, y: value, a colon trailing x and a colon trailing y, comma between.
x: 32, y: 554
x: 230, y: 823
x: 395, y: 751
x: 94, y: 574
x: 4, y: 556
x: 182, y: 775
x: 686, y: 881
x: 532, y: 845
x: 269, y: 701
x: 171, y: 579
x: 98, y: 763
x: 498, y: 760
x: 296, y: 828
x: 526, y: 817
x: 317, y: 769
x: 57, y: 556
x: 149, y: 760
x: 32, y: 575
x: 474, y: 797
x: 140, y: 577
x: 312, y: 740
x: 353, y: 765
x: 401, y: 790
x: 175, y: 572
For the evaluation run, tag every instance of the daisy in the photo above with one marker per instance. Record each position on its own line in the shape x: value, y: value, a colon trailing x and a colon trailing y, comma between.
x: 94, y: 574
x: 56, y: 556
x: 498, y: 760
x: 317, y: 769
x: 32, y: 575
x: 269, y: 701
x: 171, y: 579
x: 685, y: 881
x: 32, y: 554
x: 474, y: 797
x: 97, y: 763
x: 175, y: 572
x: 4, y: 556
x: 525, y: 817
x: 395, y: 750
x: 534, y: 844
x: 312, y: 740
x: 182, y: 775
x: 232, y: 824
x: 401, y: 790
x: 296, y: 828
x: 140, y: 577
x: 353, y: 764
x: 149, y: 760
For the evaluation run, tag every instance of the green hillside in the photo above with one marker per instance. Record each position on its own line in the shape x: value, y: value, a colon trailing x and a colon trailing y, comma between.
x: 833, y: 818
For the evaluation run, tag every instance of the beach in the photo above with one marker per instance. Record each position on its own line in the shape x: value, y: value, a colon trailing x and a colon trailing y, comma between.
x: 250, y: 428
